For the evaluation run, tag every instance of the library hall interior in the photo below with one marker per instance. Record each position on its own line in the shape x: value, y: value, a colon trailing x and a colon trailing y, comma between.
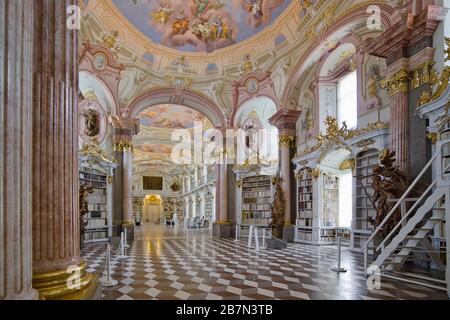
x: 224, y: 150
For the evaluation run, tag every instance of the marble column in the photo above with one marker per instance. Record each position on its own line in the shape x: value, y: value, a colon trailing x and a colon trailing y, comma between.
x: 222, y: 227
x: 15, y: 150
x: 124, y: 130
x: 285, y: 121
x: 55, y: 185
x: 128, y: 187
x: 397, y: 86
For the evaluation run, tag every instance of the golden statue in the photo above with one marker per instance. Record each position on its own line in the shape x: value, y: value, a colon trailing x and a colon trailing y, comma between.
x: 278, y: 210
x: 85, y: 190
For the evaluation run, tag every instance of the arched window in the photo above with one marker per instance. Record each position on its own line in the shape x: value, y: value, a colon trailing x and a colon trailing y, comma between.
x: 347, y: 100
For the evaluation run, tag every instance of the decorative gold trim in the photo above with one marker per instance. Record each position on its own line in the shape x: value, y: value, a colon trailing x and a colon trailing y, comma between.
x: 433, y: 137
x: 348, y: 164
x: 365, y: 143
x: 398, y: 83
x: 439, y: 82
x: 339, y: 136
x: 288, y: 142
x: 123, y: 146
x: 424, y: 74
x: 222, y: 222
x: 53, y: 285
x: 128, y: 223
x: 316, y: 173
x: 239, y: 183
x: 92, y: 148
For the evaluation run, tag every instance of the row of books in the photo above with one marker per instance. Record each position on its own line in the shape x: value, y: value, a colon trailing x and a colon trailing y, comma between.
x: 305, y: 205
x: 92, y: 176
x: 305, y: 235
x: 99, y: 191
x: 305, y: 214
x: 261, y: 194
x: 257, y: 222
x: 305, y: 222
x: 257, y: 214
x: 304, y: 183
x: 304, y: 189
x: 96, y: 215
x: 256, y: 179
x: 96, y: 223
x: 256, y: 206
x: 96, y: 207
x: 305, y: 197
x: 96, y: 198
x: 95, y: 235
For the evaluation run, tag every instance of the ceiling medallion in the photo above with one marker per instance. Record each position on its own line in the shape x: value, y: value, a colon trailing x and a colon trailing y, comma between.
x: 252, y: 85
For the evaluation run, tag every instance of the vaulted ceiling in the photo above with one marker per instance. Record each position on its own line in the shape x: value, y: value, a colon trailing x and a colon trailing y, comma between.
x: 200, y: 25
x: 154, y: 144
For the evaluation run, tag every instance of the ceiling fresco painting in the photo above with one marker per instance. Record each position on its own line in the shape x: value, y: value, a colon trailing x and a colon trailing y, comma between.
x: 200, y: 25
x: 153, y: 145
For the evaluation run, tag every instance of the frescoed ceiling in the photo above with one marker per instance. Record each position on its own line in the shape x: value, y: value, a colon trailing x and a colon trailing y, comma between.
x: 200, y: 25
x: 153, y: 146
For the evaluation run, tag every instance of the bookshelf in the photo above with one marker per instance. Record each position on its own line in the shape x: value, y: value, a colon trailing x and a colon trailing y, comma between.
x: 364, y: 213
x: 330, y: 201
x: 305, y: 204
x: 168, y: 208
x: 209, y: 208
x: 97, y: 228
x: 256, y: 201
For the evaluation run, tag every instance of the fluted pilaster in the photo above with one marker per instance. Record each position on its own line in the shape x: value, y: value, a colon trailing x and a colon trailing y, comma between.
x: 15, y: 150
x: 55, y: 186
x: 400, y: 129
x: 55, y: 139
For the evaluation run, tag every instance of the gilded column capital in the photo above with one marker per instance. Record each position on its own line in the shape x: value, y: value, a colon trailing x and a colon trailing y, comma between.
x: 288, y: 141
x: 123, y: 146
x: 398, y: 83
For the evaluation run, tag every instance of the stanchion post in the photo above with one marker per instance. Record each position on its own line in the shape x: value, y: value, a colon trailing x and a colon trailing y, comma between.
x: 237, y: 233
x: 250, y: 235
x: 256, y: 239
x: 126, y: 239
x: 338, y: 268
x: 123, y: 254
x: 107, y: 281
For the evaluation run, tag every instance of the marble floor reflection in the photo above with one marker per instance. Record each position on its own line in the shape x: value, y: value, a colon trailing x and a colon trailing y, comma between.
x: 168, y: 263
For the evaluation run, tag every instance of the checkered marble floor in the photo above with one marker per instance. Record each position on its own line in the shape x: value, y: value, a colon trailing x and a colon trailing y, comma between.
x: 191, y: 265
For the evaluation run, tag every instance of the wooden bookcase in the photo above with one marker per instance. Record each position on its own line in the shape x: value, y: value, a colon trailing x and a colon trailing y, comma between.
x: 364, y: 211
x: 97, y: 217
x: 256, y: 201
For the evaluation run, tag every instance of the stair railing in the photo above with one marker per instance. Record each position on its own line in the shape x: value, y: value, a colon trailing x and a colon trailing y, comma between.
x: 439, y: 177
x: 365, y: 248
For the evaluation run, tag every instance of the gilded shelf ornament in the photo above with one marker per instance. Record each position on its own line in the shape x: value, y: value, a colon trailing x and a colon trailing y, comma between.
x: 123, y: 146
x: 398, y: 83
x: 92, y: 148
x: 438, y: 82
x: 316, y: 173
x: 339, y: 136
x: 433, y: 137
x: 348, y: 164
x: 239, y: 183
x: 288, y: 141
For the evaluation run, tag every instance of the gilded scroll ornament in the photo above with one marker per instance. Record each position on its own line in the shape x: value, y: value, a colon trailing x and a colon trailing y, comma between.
x: 123, y: 146
x: 339, y: 136
x: 398, y: 83
x: 92, y: 148
x: 348, y: 164
x: 288, y: 141
x: 439, y: 83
